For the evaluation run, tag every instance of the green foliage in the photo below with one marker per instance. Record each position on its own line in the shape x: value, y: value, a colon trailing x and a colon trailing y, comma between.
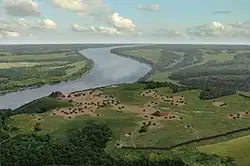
x: 143, y: 129
x: 85, y: 147
x: 215, y: 93
x: 156, y: 84
x: 49, y: 67
x: 42, y: 105
x: 37, y: 127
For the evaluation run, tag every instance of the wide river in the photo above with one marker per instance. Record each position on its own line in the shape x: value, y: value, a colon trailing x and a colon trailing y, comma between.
x: 108, y: 69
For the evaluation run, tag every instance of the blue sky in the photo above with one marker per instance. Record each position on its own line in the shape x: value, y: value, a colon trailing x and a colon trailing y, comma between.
x: 124, y: 19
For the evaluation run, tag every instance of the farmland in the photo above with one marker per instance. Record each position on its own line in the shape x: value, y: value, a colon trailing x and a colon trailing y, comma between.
x: 137, y: 116
x: 27, y: 70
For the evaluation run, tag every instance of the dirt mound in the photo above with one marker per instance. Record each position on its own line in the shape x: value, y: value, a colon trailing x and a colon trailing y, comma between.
x: 173, y: 100
x: 159, y: 114
x: 57, y: 95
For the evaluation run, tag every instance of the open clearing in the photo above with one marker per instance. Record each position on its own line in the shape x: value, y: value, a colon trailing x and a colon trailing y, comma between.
x: 150, y: 55
x: 237, y: 148
x: 17, y: 64
x: 219, y: 57
x: 37, y: 56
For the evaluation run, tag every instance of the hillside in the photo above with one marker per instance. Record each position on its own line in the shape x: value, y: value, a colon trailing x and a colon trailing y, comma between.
x: 139, y: 116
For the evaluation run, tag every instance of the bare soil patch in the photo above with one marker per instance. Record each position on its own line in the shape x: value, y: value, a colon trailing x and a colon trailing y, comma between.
x: 85, y: 103
x: 238, y: 115
x: 173, y: 100
x: 219, y: 103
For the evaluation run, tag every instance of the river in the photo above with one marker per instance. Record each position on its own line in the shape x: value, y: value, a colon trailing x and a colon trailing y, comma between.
x: 108, y: 69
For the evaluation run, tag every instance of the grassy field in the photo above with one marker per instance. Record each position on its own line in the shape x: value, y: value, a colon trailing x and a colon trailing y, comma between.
x: 220, y: 57
x: 38, y: 56
x: 150, y: 55
x: 75, y: 67
x: 203, y: 118
x: 20, y: 70
x: 237, y: 148
x: 17, y: 64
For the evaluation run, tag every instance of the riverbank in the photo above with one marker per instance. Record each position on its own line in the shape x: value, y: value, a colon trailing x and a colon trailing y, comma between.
x: 107, y: 69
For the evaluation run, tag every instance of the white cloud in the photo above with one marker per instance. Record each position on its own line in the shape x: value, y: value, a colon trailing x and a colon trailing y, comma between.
x: 109, y: 31
x: 47, y: 24
x: 217, y: 29
x: 149, y: 8
x: 122, y: 23
x: 23, y: 23
x: 9, y: 34
x: 78, y: 28
x: 73, y: 5
x: 21, y: 8
x: 101, y: 30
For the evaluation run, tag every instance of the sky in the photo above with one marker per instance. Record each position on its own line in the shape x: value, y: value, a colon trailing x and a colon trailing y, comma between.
x: 90, y: 21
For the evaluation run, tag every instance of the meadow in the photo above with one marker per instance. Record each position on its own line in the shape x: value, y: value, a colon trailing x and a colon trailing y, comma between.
x: 237, y: 148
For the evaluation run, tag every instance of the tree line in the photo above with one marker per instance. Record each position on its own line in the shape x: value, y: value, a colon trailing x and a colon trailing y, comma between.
x: 84, y: 146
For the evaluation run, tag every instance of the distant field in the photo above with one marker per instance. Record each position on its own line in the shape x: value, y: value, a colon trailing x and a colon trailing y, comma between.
x: 75, y: 67
x: 19, y: 70
x: 220, y: 57
x: 150, y: 55
x: 38, y: 56
x: 237, y: 148
x: 17, y: 64
x: 198, y: 66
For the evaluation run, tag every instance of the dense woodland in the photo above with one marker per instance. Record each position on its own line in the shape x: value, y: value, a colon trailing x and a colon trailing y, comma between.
x: 156, y: 84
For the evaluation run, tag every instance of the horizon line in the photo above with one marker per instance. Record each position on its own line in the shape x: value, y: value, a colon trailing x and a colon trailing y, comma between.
x: 170, y: 43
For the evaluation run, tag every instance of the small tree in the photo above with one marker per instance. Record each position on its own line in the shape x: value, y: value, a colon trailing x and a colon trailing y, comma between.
x: 37, y: 127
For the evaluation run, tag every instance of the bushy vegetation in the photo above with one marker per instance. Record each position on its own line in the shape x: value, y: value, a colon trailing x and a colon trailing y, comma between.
x: 156, y: 84
x: 215, y: 93
x: 42, y: 105
x: 86, y: 146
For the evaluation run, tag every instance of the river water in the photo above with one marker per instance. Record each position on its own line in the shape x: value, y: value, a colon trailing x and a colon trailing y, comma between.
x: 108, y: 69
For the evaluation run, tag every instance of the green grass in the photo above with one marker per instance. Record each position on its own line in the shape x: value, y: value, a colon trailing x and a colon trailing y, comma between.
x: 150, y: 55
x: 220, y: 57
x: 26, y: 70
x: 75, y: 67
x: 17, y: 64
x: 36, y: 57
x: 42, y: 105
x: 204, y: 118
x: 238, y: 148
x: 198, y: 113
x: 119, y: 122
x: 127, y: 94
